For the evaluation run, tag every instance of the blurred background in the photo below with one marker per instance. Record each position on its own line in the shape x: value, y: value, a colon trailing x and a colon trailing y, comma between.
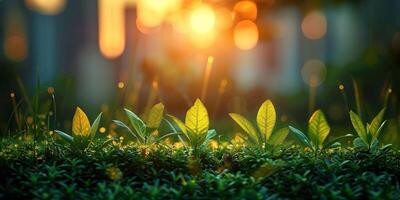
x: 104, y: 55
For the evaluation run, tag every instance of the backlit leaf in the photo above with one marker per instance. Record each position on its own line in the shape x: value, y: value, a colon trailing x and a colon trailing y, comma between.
x: 318, y: 128
x: 80, y: 123
x: 155, y: 116
x: 245, y: 125
x: 278, y: 136
x: 95, y: 126
x: 136, y: 122
x: 266, y: 118
x: 197, y: 118
x: 64, y: 136
x: 376, y: 123
x: 178, y: 122
x: 300, y: 136
x: 358, y: 126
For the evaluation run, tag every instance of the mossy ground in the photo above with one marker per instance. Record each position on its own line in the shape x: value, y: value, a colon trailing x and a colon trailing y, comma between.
x: 114, y: 171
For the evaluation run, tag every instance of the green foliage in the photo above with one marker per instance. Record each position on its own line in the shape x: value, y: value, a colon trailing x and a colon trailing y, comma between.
x: 82, y: 132
x: 145, y: 133
x: 196, y: 127
x: 110, y: 172
x: 318, y: 131
x: 367, y: 134
x: 266, y: 118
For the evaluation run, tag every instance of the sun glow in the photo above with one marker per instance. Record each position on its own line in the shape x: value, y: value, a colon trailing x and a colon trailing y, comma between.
x: 202, y: 19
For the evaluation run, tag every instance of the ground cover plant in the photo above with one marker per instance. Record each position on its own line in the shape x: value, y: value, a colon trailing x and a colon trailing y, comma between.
x: 197, y: 164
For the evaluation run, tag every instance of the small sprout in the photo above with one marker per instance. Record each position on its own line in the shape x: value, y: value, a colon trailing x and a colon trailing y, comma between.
x: 82, y: 132
x: 318, y: 131
x: 196, y: 127
x: 367, y: 134
x: 145, y: 132
x: 263, y: 137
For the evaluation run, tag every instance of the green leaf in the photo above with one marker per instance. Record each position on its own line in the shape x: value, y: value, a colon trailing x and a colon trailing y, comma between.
x: 266, y: 118
x: 123, y: 125
x: 245, y: 125
x: 300, y: 136
x: 65, y: 136
x: 359, y: 143
x: 155, y: 116
x: 165, y: 136
x: 318, y: 128
x: 136, y: 122
x: 331, y: 143
x: 178, y: 122
x: 376, y: 123
x: 359, y: 126
x: 95, y: 126
x: 197, y: 119
x: 278, y: 137
x: 210, y: 134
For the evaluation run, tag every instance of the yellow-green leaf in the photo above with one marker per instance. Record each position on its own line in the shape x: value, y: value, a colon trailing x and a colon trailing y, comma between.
x: 266, y: 118
x: 245, y: 125
x: 376, y: 123
x: 318, y: 128
x: 80, y: 123
x: 197, y: 118
x: 178, y: 122
x: 278, y: 136
x: 359, y: 126
x: 155, y: 116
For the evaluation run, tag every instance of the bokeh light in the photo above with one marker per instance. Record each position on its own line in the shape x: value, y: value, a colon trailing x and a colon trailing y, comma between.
x: 245, y: 10
x: 15, y: 48
x: 202, y: 19
x: 314, y: 25
x: 111, y: 28
x: 48, y: 7
x: 245, y: 35
x: 151, y: 13
x: 314, y: 72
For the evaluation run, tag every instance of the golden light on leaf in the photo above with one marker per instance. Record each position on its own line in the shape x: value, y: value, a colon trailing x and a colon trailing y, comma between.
x: 48, y: 7
x: 245, y: 10
x: 314, y: 72
x: 202, y: 19
x: 245, y: 35
x: 111, y: 27
x: 80, y: 123
x: 15, y: 48
x: 314, y: 25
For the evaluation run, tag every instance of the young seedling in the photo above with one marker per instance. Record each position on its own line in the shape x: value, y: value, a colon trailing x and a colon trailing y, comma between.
x: 368, y: 134
x: 318, y: 131
x: 146, y: 133
x: 266, y: 118
x: 82, y: 132
x: 195, y: 129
